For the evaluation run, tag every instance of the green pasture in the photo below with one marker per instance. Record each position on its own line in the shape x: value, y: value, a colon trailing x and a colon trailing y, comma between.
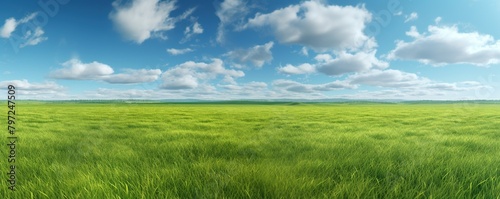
x: 254, y: 150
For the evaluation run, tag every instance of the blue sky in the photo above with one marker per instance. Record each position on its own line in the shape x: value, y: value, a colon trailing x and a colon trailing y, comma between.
x: 251, y: 49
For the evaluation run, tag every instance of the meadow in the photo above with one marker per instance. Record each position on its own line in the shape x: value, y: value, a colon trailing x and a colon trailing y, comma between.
x: 255, y: 150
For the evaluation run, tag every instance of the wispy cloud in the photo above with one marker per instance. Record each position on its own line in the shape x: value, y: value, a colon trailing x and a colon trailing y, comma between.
x: 174, y: 51
x: 29, y: 38
x: 191, y: 31
x: 229, y: 12
x: 412, y: 17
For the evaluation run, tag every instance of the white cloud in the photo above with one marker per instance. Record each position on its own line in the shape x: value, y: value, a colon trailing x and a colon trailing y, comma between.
x: 412, y: 17
x: 458, y: 86
x: 401, y: 94
x: 413, y: 32
x: 141, y: 19
x: 304, y: 51
x: 74, y: 69
x: 388, y: 78
x: 400, y: 85
x: 438, y: 20
x: 343, y: 63
x: 348, y: 63
x: 179, y: 78
x: 189, y: 74
x: 27, y: 86
x: 197, y: 29
x: 403, y: 80
x: 399, y: 81
x: 174, y: 51
x: 189, y: 32
x: 28, y: 90
x: 9, y: 27
x: 442, y: 91
x: 297, y: 70
x: 316, y: 25
x: 247, y: 90
x: 293, y: 86
x: 228, y: 12
x: 251, y: 90
x: 257, y: 55
x: 30, y: 37
x: 288, y: 89
x: 150, y: 94
x: 11, y: 24
x: 112, y: 94
x: 33, y: 38
x: 446, y: 45
x: 133, y: 76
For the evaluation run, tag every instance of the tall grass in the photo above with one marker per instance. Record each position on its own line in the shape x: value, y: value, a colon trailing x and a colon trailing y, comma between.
x: 256, y: 151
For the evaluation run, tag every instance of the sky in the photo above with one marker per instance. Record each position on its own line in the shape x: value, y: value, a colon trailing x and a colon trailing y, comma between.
x: 250, y: 49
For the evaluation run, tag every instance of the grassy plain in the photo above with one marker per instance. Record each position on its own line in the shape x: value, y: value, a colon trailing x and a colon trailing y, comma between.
x: 117, y: 150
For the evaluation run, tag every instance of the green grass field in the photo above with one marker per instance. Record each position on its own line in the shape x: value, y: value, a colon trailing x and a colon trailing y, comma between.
x: 113, y: 150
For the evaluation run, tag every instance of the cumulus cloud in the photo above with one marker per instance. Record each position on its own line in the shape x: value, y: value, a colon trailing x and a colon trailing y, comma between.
x: 30, y: 37
x: 174, y: 51
x: 131, y: 76
x: 179, y: 78
x: 457, y: 86
x: 403, y: 80
x: 316, y: 25
x: 29, y: 90
x: 446, y: 45
x: 251, y: 86
x: 27, y: 86
x: 388, y: 78
x: 413, y: 32
x: 343, y: 63
x: 293, y: 86
x: 257, y: 55
x: 297, y: 70
x: 113, y: 94
x: 348, y: 63
x: 229, y: 12
x: 310, y: 24
x: 203, y: 92
x: 401, y: 94
x: 434, y: 91
x: 412, y: 17
x: 142, y: 19
x: 9, y: 27
x: 189, y: 74
x: 247, y: 90
x: 250, y: 90
x: 74, y: 69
